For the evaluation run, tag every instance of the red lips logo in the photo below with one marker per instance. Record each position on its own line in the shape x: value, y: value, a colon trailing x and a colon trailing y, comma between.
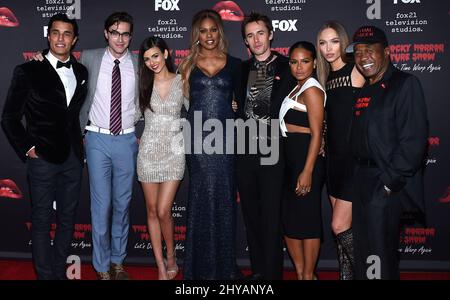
x: 7, y: 18
x: 446, y: 197
x: 8, y: 189
x: 229, y: 11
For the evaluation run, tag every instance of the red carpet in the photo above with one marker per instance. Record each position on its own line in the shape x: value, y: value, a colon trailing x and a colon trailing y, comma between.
x: 23, y: 270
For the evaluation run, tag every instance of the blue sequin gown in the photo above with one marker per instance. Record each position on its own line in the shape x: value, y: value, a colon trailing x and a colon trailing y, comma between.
x: 211, y: 208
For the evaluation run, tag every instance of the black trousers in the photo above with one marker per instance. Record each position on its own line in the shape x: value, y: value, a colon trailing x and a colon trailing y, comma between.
x: 260, y: 189
x: 376, y: 226
x: 53, y: 182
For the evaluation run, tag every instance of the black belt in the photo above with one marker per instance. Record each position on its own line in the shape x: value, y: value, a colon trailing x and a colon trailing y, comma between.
x: 366, y: 162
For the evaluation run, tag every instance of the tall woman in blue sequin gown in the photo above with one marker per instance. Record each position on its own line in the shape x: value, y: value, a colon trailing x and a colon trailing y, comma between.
x: 211, y: 76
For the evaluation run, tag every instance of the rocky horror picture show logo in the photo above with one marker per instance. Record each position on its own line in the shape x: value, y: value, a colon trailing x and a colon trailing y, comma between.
x: 421, y: 58
x: 413, y: 240
x: 80, y: 239
x: 144, y: 241
x: 282, y: 50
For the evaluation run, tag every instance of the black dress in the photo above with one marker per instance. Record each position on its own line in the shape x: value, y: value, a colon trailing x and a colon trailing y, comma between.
x: 211, y: 207
x: 340, y: 100
x: 301, y: 215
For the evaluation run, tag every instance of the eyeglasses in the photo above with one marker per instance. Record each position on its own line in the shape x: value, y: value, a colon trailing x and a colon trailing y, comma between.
x: 115, y: 34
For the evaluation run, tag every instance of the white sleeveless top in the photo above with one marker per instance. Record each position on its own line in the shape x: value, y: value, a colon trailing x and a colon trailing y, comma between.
x: 289, y: 103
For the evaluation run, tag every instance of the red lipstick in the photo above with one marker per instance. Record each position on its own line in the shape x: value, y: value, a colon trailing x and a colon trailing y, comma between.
x: 229, y: 11
x: 7, y: 18
x: 8, y: 189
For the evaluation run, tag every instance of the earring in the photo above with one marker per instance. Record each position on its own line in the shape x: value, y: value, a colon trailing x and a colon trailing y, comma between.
x: 198, y: 42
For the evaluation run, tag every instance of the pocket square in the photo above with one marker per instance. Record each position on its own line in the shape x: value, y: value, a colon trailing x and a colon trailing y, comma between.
x: 83, y: 82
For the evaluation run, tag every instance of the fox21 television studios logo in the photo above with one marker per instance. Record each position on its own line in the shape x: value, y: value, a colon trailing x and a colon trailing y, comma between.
x: 72, y: 8
x: 51, y: 7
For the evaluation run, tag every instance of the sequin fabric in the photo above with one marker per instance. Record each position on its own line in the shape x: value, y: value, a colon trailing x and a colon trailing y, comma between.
x: 211, y: 209
x: 161, y: 150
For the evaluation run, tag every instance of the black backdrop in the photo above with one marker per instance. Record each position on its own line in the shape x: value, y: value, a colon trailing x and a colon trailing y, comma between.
x: 417, y: 30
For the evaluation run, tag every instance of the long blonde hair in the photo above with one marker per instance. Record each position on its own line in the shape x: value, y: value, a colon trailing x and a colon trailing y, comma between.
x: 323, y: 67
x: 188, y: 64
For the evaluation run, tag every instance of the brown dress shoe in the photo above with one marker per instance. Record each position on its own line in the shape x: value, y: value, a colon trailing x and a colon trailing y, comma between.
x: 103, y: 276
x: 118, y: 273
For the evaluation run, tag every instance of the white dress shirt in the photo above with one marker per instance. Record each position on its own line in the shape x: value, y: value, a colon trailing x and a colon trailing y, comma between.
x: 66, y: 75
x: 101, y: 106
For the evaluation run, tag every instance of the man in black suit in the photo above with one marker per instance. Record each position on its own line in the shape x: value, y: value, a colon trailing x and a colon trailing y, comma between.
x: 388, y: 139
x: 50, y: 95
x: 260, y: 175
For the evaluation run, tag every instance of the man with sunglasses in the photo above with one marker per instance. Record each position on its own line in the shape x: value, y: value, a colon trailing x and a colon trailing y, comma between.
x: 108, y: 117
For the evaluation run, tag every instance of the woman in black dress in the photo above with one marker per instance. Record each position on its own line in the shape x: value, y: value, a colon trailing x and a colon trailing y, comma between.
x: 211, y: 76
x: 342, y: 80
x: 301, y: 119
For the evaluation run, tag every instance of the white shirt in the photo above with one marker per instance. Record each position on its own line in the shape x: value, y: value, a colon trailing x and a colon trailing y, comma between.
x: 290, y: 103
x: 66, y: 75
x: 101, y: 106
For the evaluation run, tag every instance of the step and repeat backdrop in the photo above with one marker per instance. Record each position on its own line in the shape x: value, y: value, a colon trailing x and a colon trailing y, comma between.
x: 417, y: 31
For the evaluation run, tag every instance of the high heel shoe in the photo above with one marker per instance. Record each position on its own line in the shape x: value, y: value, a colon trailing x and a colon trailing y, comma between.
x: 163, y: 271
x: 172, y: 272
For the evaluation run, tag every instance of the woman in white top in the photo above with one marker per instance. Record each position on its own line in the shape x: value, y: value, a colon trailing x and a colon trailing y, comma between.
x: 301, y: 119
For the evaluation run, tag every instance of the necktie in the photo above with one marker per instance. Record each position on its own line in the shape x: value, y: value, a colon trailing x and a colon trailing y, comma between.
x: 261, y: 73
x: 60, y: 64
x: 115, y: 121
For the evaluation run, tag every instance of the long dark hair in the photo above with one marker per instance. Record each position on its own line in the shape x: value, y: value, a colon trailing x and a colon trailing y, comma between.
x: 147, y: 76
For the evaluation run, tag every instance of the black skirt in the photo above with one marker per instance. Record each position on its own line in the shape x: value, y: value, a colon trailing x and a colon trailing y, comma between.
x: 302, y: 215
x: 339, y: 176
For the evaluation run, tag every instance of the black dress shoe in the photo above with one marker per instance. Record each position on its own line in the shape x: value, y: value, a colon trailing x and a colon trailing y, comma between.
x: 117, y: 272
x: 254, y: 276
